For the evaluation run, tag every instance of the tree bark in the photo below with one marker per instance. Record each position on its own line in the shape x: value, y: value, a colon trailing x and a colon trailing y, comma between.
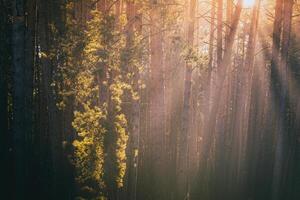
x: 157, y: 104
x: 219, y: 32
x: 222, y: 72
x: 183, y: 162
x: 5, y: 137
x: 282, y: 135
x: 22, y: 94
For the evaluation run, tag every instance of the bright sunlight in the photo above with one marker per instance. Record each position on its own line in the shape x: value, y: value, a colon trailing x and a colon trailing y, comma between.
x: 150, y: 99
x: 249, y: 3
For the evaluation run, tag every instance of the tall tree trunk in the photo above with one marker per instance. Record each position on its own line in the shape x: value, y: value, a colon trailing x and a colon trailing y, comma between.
x: 251, y: 112
x: 211, y: 54
x: 53, y: 123
x: 132, y: 25
x: 30, y: 57
x: 210, y: 65
x: 22, y: 94
x: 248, y: 66
x: 208, y: 98
x: 157, y: 105
x: 5, y: 62
x: 222, y: 135
x: 282, y: 135
x: 277, y: 28
x: 183, y: 162
x: 222, y: 72
x: 229, y: 10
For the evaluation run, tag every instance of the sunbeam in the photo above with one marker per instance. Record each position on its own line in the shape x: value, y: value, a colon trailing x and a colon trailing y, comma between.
x: 159, y: 99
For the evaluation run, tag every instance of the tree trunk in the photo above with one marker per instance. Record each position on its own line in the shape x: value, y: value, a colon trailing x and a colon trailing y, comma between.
x: 183, y: 170
x: 157, y: 105
x: 22, y: 94
x: 251, y: 97
x: 219, y: 32
x: 5, y: 137
x: 281, y: 150
x: 210, y: 66
x: 222, y: 72
x: 52, y: 122
x: 134, y: 104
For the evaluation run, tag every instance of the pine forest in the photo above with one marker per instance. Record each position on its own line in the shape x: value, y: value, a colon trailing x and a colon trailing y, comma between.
x: 150, y: 99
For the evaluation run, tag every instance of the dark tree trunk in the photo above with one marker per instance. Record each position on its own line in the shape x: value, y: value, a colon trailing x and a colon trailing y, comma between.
x: 5, y: 137
x: 22, y: 62
x: 48, y: 15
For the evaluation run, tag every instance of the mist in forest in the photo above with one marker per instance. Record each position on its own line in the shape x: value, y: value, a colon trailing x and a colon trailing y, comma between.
x: 150, y: 99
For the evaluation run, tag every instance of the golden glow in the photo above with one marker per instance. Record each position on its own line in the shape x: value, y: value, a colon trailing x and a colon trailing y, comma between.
x: 249, y: 3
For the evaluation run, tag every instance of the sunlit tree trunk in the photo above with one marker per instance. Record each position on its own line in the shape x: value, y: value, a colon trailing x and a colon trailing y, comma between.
x: 211, y: 54
x: 281, y: 150
x: 251, y: 98
x: 157, y: 105
x: 229, y: 9
x: 176, y: 87
x: 222, y: 134
x: 170, y: 66
x: 237, y: 156
x: 251, y: 93
x: 219, y: 32
x: 205, y: 136
x: 222, y: 71
x: 248, y: 66
x: 144, y: 146
x: 183, y: 162
x: 133, y: 25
